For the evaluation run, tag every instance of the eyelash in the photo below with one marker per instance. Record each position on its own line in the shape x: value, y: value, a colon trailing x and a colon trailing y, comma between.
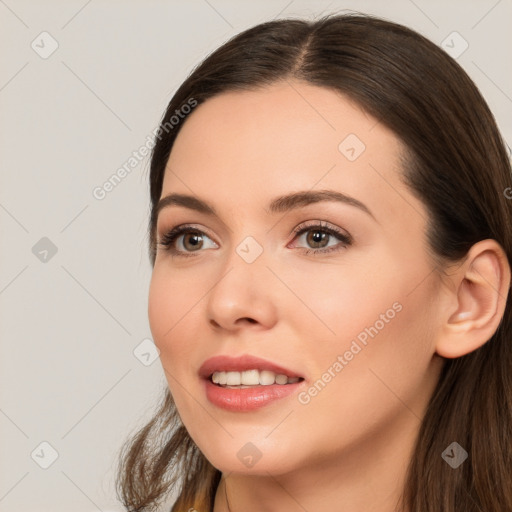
x: 171, y: 236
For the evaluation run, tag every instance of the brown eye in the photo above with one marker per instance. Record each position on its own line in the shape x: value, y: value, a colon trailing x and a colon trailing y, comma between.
x: 316, y: 237
x: 192, y: 241
x: 184, y: 241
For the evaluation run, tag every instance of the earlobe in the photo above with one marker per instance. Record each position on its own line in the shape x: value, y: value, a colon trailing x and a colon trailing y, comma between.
x: 479, y: 295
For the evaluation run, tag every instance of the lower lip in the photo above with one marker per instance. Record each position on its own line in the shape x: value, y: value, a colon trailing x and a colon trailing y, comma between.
x: 247, y: 399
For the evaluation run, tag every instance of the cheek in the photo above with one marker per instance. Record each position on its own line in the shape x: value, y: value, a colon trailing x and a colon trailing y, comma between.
x: 369, y: 293
x: 170, y: 309
x: 360, y: 389
x: 171, y: 312
x: 338, y: 301
x: 377, y: 320
x: 381, y: 360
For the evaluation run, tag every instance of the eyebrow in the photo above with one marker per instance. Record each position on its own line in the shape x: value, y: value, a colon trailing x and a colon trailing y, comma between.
x: 280, y: 204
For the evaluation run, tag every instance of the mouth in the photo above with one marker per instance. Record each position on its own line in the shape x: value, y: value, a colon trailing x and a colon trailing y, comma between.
x: 250, y: 378
x: 247, y: 383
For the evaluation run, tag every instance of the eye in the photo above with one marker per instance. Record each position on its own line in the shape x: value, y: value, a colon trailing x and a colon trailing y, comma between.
x: 192, y: 241
x: 317, y: 234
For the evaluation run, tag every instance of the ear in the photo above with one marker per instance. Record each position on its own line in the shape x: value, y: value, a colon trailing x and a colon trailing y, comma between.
x: 476, y: 301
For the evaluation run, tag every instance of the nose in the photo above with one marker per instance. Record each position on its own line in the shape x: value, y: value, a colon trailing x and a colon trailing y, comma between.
x: 243, y: 295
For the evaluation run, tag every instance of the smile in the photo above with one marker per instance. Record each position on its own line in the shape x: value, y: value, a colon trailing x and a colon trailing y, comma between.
x: 246, y: 382
x: 250, y: 378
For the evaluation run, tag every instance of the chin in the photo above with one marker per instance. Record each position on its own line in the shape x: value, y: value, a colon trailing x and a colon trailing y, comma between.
x: 251, y: 457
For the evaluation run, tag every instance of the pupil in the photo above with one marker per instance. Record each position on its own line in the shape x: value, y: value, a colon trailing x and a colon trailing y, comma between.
x: 195, y: 240
x: 317, y: 236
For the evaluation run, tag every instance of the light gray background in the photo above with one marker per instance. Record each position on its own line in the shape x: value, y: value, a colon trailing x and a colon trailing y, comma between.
x: 69, y: 325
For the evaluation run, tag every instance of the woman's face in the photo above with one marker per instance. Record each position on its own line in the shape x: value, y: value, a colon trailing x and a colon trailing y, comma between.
x: 348, y: 306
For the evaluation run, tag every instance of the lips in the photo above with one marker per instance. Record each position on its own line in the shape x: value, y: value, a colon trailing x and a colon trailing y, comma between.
x: 242, y: 363
x: 245, y: 398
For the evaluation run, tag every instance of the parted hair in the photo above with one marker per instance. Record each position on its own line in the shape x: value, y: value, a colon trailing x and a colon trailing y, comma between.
x: 454, y: 161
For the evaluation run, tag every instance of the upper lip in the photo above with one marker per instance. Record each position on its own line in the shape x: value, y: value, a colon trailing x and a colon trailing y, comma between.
x: 240, y: 364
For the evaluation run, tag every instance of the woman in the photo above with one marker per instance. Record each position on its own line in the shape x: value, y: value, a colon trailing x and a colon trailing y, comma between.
x: 331, y: 243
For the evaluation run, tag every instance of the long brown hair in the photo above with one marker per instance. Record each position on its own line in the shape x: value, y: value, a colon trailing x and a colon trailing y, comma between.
x: 455, y: 162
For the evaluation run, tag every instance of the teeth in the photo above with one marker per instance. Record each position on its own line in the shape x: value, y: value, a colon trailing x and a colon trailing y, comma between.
x: 251, y: 378
x: 281, y: 379
x: 267, y: 378
x: 233, y: 379
x: 220, y: 378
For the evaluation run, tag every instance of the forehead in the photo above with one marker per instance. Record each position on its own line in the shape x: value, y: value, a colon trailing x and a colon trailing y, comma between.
x: 240, y: 148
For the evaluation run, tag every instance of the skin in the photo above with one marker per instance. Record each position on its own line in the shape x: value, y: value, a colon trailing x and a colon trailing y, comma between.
x: 346, y: 449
